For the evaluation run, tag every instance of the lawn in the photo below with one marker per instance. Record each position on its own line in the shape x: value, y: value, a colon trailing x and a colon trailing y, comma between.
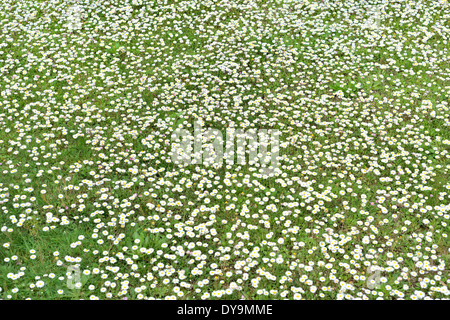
x: 93, y: 205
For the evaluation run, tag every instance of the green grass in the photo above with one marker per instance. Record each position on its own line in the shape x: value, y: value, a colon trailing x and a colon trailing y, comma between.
x: 90, y: 123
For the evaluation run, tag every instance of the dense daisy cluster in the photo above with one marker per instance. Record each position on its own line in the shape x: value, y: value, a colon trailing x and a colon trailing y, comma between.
x: 92, y: 91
